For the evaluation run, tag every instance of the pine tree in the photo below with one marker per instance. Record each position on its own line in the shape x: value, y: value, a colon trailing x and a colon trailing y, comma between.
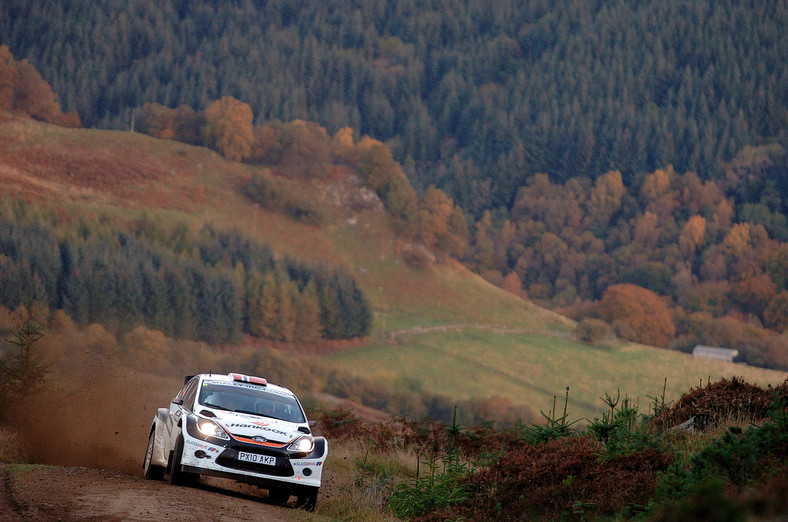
x: 25, y: 372
x: 307, y: 306
x: 286, y: 317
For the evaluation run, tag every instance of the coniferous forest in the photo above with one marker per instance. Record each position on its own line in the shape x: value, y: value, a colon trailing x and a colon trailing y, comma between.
x: 624, y: 162
x: 473, y: 96
x: 211, y: 286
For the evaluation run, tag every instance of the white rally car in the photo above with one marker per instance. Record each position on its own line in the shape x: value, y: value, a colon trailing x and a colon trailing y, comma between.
x: 242, y: 428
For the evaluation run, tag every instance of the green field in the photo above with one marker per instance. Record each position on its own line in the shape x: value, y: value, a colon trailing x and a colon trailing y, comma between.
x: 533, y: 368
x: 446, y: 331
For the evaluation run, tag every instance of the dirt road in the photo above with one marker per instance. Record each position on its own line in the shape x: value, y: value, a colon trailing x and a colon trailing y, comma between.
x: 73, y: 493
x: 89, y: 434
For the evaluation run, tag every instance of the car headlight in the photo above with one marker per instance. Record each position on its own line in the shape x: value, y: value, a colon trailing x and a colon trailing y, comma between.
x: 304, y: 444
x: 211, y: 429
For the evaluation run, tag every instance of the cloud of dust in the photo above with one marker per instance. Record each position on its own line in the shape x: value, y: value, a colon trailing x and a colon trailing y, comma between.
x: 98, y: 416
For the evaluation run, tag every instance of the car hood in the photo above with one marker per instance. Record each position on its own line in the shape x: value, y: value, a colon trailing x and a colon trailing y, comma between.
x: 251, y: 426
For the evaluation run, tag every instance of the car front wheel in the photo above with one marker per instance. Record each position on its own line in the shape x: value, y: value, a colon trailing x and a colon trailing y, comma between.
x: 150, y: 470
x: 278, y: 496
x: 307, y: 498
x: 179, y: 477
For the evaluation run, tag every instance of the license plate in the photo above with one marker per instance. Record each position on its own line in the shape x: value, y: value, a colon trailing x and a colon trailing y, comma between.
x: 257, y: 459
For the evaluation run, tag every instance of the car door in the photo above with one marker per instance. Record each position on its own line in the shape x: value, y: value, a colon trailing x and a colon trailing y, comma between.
x: 176, y: 412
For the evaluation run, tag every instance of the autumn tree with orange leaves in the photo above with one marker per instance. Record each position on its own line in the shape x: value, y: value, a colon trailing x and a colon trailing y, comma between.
x: 605, y: 198
x: 641, y: 309
x: 692, y: 235
x: 441, y: 224
x: 23, y: 90
x: 158, y: 121
x: 382, y: 173
x: 34, y: 96
x: 229, y: 129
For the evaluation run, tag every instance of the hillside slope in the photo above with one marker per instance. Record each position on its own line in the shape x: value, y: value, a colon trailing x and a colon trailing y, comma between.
x: 439, y: 329
x: 119, y: 175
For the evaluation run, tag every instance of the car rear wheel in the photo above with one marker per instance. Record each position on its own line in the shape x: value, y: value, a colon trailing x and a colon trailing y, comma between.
x: 178, y: 477
x: 307, y: 498
x: 150, y: 470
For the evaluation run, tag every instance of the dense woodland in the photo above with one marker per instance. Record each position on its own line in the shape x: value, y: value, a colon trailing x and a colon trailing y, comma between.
x: 210, y: 286
x: 472, y: 96
x: 635, y: 177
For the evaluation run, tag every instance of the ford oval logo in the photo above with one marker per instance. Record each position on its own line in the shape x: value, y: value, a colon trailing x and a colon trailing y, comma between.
x: 259, y: 439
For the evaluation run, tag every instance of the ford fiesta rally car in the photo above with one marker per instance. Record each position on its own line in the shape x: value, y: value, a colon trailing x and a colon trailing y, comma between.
x: 242, y: 428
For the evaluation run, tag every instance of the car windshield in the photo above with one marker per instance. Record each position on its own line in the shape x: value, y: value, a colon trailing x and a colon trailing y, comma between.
x: 252, y: 399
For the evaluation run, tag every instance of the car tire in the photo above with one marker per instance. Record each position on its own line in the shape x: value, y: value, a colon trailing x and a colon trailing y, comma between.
x: 278, y: 496
x: 179, y: 477
x: 306, y: 498
x: 150, y: 470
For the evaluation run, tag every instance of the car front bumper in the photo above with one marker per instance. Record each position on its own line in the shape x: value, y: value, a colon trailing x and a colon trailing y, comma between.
x: 205, y: 458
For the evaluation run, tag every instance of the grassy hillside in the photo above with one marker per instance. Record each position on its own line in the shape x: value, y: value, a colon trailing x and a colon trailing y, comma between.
x: 441, y: 329
x: 532, y: 368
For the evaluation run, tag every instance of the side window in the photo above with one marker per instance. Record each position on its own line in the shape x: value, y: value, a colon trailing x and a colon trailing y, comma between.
x: 185, y: 389
x: 188, y: 397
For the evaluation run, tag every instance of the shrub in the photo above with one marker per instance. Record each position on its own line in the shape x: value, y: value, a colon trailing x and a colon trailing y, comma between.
x: 441, y: 486
x: 592, y: 330
x: 284, y: 196
x: 720, y: 401
x: 554, y: 427
x: 563, y: 478
x: 623, y: 330
x: 416, y: 255
x: 741, y: 457
x: 623, y: 430
x: 735, y: 462
x: 706, y: 501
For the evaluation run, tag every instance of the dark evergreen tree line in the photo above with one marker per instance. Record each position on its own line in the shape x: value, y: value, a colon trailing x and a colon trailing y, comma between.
x: 186, y: 286
x: 136, y: 283
x: 475, y: 96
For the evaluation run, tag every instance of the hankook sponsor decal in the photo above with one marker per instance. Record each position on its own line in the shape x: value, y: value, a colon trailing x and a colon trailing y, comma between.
x: 257, y: 427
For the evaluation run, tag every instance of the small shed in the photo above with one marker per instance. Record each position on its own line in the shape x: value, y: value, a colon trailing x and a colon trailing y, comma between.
x: 714, y: 352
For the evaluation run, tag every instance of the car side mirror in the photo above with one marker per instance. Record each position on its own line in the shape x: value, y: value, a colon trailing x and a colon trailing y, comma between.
x: 179, y: 402
x: 312, y: 424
